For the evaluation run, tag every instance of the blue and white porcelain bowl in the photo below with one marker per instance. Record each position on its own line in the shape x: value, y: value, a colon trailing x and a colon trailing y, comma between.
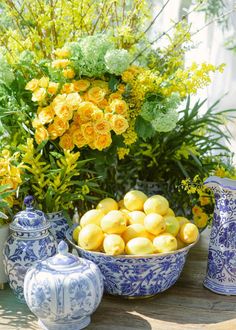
x: 136, y: 276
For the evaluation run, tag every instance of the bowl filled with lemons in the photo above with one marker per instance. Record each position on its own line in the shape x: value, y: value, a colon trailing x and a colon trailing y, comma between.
x: 138, y: 243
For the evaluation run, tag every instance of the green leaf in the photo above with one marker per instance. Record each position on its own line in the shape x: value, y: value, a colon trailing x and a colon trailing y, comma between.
x: 144, y: 128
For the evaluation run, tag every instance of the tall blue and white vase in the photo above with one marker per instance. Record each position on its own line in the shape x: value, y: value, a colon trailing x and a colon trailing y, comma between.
x: 29, y: 242
x: 221, y: 267
x: 59, y: 225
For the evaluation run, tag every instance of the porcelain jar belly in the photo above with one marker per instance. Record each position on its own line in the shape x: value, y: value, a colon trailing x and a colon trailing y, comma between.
x: 63, y: 291
x: 29, y: 242
x: 59, y: 225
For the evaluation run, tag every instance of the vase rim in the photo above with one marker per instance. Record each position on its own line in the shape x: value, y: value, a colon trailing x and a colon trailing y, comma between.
x: 226, y: 183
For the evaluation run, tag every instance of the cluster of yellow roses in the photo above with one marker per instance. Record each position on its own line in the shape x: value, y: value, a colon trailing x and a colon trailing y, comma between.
x: 10, y: 174
x: 81, y: 112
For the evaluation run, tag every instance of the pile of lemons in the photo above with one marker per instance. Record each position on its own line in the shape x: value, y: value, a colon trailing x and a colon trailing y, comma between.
x: 136, y: 225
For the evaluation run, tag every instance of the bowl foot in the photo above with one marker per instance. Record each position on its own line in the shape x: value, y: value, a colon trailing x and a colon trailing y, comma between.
x: 74, y: 325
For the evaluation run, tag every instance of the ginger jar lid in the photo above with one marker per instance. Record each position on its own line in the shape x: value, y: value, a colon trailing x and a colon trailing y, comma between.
x: 29, y: 219
x: 64, y: 261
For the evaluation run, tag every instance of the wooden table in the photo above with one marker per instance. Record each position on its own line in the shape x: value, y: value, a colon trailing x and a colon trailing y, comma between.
x: 185, y: 306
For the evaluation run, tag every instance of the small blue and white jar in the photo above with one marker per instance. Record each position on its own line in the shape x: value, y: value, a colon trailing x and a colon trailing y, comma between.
x: 29, y: 242
x: 63, y: 291
x: 59, y: 225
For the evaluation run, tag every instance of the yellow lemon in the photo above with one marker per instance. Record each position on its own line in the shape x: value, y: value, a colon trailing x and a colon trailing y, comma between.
x: 136, y: 217
x: 154, y: 224
x: 139, y: 246
x: 114, y: 222
x: 113, y: 244
x: 132, y: 231
x: 107, y: 204
x: 170, y: 212
x: 134, y: 200
x: 75, y: 234
x: 182, y: 220
x: 172, y: 225
x: 180, y: 244
x: 165, y: 243
x: 92, y: 216
x: 156, y: 204
x: 91, y: 237
x: 121, y: 204
x: 126, y: 213
x: 188, y: 233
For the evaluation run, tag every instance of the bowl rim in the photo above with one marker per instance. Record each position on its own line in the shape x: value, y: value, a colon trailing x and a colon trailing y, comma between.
x: 129, y: 256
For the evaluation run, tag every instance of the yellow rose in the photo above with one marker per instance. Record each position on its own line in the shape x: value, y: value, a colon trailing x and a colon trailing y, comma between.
x: 43, y: 82
x: 66, y: 142
x: 60, y: 64
x: 69, y: 73
x: 39, y: 95
x: 67, y: 88
x: 81, y: 85
x: 79, y: 139
x: 73, y: 128
x: 32, y: 85
x: 88, y: 132
x: 63, y: 111
x: 41, y: 134
x: 197, y: 210
x: 101, y: 83
x: 115, y: 96
x: 36, y: 123
x: 108, y: 109
x: 108, y: 116
x: 77, y: 119
x: 9, y: 181
x: 119, y: 106
x: 119, y: 124
x: 60, y: 98
x: 86, y: 109
x: 53, y: 133
x: 97, y: 115
x: 96, y: 94
x: 103, y: 141
x: 102, y: 126
x: 62, y: 53
x: 103, y: 104
x: 52, y: 87
x: 60, y: 125
x: 46, y: 115
x: 201, y: 221
x: 73, y: 100
x: 204, y: 200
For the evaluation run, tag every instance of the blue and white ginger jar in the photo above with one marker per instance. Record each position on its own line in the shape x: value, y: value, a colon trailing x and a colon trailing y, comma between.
x: 63, y: 291
x: 29, y: 242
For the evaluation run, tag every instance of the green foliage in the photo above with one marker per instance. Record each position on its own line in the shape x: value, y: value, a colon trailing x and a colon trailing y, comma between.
x: 195, y: 147
x: 4, y: 205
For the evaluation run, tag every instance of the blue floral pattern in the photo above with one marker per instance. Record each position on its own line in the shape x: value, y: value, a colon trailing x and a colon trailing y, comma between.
x: 137, y: 276
x: 221, y: 268
x: 59, y: 225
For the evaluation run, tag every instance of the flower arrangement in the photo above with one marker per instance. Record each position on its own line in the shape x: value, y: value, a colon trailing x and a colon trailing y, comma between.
x: 80, y: 95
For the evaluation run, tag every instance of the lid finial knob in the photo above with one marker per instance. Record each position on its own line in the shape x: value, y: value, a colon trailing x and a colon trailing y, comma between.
x: 28, y: 201
x: 62, y: 248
